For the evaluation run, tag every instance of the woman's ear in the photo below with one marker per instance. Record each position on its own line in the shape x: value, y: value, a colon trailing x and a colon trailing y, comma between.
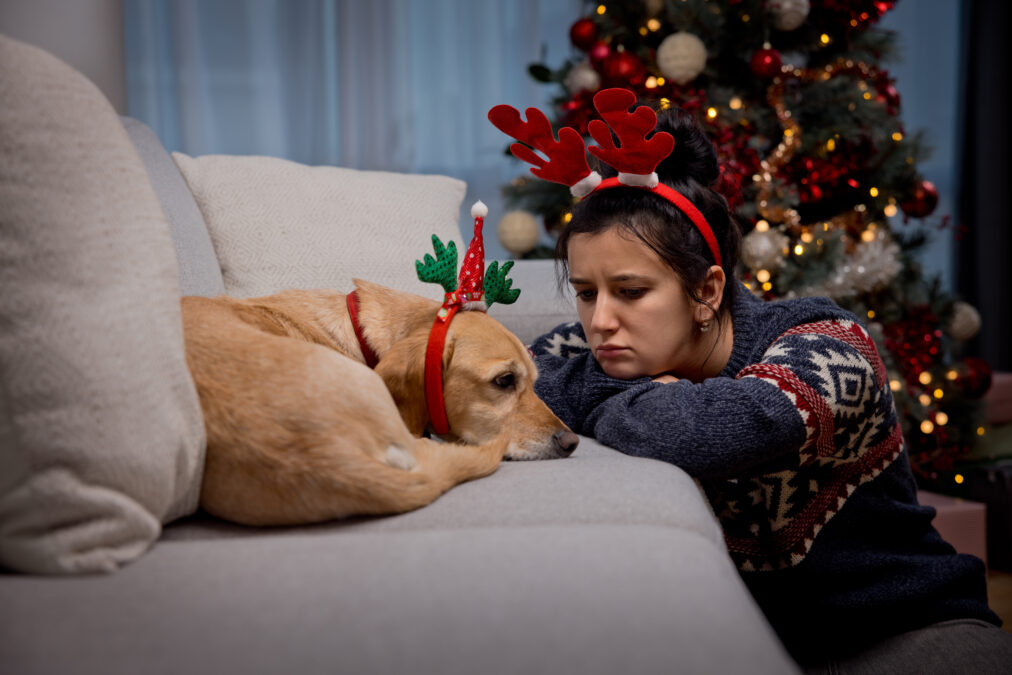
x: 710, y: 294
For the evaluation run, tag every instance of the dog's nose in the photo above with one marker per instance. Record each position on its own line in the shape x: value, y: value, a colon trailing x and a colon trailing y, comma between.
x: 565, y: 442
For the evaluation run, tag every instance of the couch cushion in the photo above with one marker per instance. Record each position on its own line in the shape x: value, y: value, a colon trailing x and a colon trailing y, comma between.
x: 102, y: 434
x: 277, y: 224
x: 555, y: 599
x: 541, y: 306
x: 596, y: 485
x: 199, y: 273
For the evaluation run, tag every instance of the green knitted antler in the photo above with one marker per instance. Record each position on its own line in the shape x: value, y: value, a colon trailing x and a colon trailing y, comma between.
x: 497, y: 286
x: 442, y: 270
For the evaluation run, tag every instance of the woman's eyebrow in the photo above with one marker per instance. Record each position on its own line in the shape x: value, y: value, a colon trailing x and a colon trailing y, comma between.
x: 617, y: 277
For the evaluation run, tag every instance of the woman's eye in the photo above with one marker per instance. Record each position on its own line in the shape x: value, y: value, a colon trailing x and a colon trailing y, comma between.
x: 633, y: 292
x: 584, y: 295
x: 505, y: 381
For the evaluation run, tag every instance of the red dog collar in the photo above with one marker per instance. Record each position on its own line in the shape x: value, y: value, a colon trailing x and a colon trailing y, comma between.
x: 370, y: 356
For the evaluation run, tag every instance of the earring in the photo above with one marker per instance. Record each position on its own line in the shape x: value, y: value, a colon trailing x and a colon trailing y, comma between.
x: 704, y: 326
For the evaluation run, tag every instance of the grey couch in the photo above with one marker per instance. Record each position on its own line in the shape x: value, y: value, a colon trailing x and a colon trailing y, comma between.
x: 599, y: 563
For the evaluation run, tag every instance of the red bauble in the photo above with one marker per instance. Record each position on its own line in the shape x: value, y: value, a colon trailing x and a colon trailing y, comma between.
x: 922, y: 202
x: 766, y: 63
x: 583, y: 34
x: 622, y: 69
x: 599, y: 52
x: 975, y: 376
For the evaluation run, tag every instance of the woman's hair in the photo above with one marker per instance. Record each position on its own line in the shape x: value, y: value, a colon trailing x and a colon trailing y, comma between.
x: 691, y: 169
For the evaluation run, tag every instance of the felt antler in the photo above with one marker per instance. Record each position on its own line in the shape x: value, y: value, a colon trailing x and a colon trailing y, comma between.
x: 567, y: 158
x: 498, y: 288
x: 636, y: 157
x: 442, y: 270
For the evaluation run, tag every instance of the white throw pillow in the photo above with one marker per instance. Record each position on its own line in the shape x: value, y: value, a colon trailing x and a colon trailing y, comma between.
x: 277, y: 224
x: 101, y: 432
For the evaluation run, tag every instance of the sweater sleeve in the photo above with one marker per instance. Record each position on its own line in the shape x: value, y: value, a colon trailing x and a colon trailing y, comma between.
x: 819, y: 391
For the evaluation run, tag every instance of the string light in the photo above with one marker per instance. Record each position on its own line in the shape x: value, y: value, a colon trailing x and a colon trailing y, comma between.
x: 952, y: 375
x: 871, y: 313
x: 958, y: 478
x: 924, y: 400
x: 601, y: 9
x: 938, y: 393
x: 762, y: 276
x: 924, y: 378
x: 566, y: 217
x: 824, y: 38
x: 895, y: 385
x: 711, y: 113
x: 941, y: 419
x: 981, y: 431
x: 891, y: 210
x: 651, y: 82
x: 799, y: 249
x: 927, y: 426
x: 653, y: 24
x: 897, y: 136
x: 762, y: 226
x: 734, y: 103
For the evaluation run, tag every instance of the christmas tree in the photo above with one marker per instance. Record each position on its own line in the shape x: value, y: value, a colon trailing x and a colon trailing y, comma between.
x: 815, y: 163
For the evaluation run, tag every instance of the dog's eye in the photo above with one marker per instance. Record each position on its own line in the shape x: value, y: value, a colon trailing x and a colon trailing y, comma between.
x: 505, y: 381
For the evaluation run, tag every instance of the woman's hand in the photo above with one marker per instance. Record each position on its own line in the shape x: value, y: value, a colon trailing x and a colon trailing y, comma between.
x: 665, y: 378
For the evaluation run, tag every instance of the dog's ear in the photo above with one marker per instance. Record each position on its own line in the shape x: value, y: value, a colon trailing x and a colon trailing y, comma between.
x: 402, y: 368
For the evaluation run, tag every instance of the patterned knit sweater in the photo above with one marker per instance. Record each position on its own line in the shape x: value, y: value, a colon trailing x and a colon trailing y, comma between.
x: 798, y: 447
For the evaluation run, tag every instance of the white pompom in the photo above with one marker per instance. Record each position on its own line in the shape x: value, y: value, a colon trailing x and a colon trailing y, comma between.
x: 479, y: 210
x: 788, y: 15
x: 518, y: 232
x: 582, y: 77
x: 681, y: 57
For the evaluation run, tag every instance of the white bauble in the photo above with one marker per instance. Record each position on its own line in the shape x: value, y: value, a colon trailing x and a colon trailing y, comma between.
x: 681, y: 57
x: 763, y: 250
x: 518, y: 232
x: 965, y: 322
x: 582, y: 77
x: 788, y: 14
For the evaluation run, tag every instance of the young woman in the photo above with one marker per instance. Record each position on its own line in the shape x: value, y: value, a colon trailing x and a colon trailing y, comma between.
x: 783, y: 412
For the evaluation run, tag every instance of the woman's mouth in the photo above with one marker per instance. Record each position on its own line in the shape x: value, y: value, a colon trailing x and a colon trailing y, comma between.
x: 608, y: 351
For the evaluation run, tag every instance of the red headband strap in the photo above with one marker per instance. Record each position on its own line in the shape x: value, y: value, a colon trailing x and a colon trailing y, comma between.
x: 434, y: 369
x: 681, y: 203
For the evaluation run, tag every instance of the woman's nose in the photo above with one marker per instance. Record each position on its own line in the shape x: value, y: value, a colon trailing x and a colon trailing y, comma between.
x: 605, y: 318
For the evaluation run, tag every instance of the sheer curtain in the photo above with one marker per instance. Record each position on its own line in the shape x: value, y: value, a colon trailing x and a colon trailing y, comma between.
x: 395, y: 85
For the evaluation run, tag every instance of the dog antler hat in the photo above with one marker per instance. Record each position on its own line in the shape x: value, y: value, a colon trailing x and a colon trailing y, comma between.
x: 473, y: 289
x: 636, y: 158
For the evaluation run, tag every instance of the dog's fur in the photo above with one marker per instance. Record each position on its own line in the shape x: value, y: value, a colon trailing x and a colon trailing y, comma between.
x: 300, y: 430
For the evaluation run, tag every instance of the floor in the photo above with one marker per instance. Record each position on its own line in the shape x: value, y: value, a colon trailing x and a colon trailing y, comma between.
x: 999, y: 595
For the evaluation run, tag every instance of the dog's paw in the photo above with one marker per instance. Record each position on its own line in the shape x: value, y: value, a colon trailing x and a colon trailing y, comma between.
x: 399, y: 458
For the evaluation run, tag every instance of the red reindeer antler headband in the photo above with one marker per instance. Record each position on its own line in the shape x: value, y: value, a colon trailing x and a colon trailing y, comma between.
x: 636, y: 158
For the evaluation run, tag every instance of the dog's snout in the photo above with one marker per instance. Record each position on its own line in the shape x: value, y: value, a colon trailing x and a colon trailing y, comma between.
x: 565, y: 442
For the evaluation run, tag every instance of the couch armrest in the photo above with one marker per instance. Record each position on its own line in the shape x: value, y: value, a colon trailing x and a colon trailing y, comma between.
x: 541, y: 305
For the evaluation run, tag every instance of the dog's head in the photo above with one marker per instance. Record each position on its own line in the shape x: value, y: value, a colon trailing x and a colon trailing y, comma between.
x: 488, y: 383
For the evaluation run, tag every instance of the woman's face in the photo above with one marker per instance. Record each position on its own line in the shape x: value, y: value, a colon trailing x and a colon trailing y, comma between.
x: 633, y: 307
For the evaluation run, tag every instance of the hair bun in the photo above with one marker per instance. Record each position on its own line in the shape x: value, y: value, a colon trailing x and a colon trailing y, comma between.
x: 694, y: 155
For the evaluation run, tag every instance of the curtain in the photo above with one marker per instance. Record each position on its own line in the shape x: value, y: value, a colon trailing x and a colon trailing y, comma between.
x: 395, y: 85
x: 985, y: 279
